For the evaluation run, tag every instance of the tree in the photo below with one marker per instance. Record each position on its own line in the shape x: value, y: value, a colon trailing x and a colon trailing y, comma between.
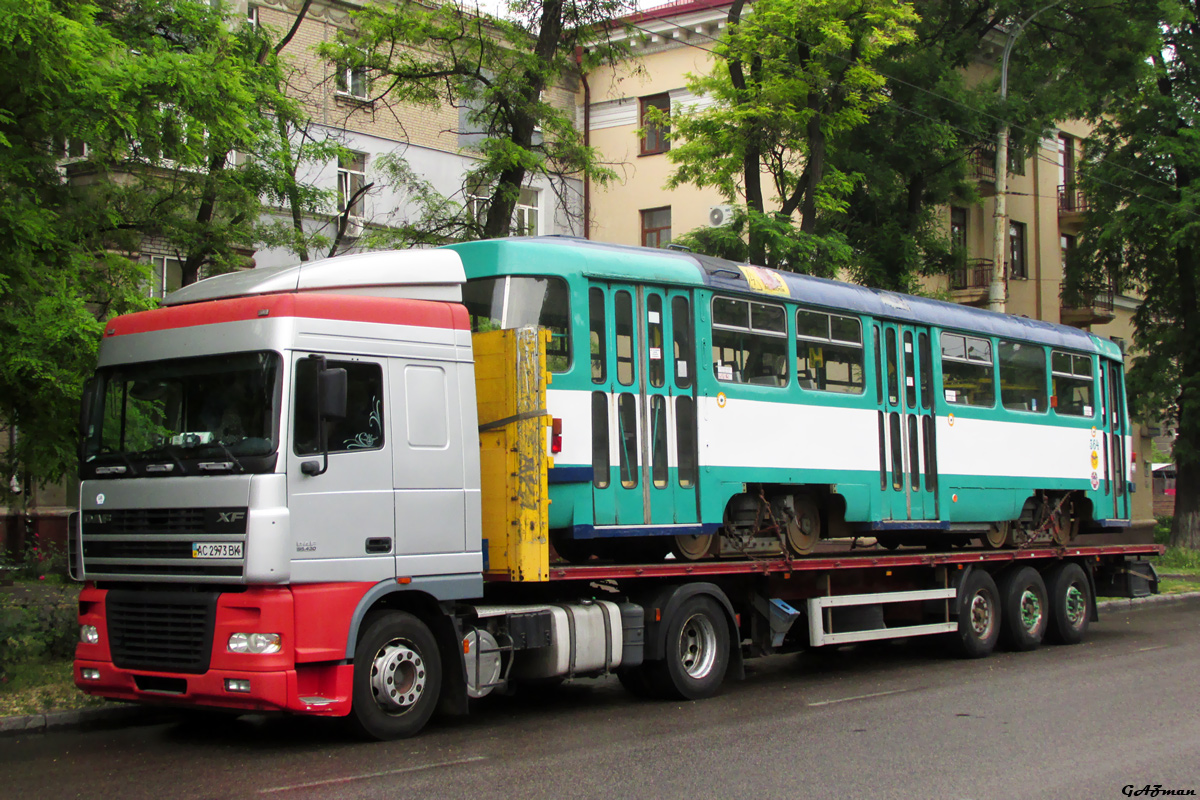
x: 791, y: 80
x: 1142, y: 183
x: 500, y: 71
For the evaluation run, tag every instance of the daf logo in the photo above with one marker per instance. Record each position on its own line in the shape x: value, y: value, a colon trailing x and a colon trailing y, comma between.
x: 97, y: 519
x: 231, y: 516
x: 100, y: 499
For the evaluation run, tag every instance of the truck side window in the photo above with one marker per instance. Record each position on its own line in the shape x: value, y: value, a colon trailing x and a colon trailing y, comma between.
x: 362, y: 429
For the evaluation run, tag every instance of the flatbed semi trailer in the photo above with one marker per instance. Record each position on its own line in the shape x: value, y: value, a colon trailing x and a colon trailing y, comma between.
x: 318, y: 490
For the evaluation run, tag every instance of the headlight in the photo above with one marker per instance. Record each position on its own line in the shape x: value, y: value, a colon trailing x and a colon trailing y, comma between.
x: 88, y: 634
x: 257, y: 643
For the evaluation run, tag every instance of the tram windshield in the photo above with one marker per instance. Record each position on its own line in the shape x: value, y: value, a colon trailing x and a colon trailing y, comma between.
x: 514, y: 301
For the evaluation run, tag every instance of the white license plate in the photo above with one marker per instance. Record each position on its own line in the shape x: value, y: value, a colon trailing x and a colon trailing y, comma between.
x: 216, y: 549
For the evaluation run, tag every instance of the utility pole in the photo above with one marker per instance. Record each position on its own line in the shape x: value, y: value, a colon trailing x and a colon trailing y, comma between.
x: 997, y: 289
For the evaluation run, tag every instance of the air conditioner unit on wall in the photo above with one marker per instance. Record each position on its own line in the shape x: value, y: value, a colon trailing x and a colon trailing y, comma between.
x: 720, y: 216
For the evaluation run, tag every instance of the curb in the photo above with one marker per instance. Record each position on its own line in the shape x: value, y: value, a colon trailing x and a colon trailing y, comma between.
x: 121, y: 714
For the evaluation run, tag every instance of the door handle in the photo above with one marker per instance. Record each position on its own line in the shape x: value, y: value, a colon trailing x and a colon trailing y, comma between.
x: 379, y: 544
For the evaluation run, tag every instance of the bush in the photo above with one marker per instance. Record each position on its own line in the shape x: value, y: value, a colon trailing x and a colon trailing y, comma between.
x: 1179, y: 558
x: 42, y: 627
x: 1162, y: 530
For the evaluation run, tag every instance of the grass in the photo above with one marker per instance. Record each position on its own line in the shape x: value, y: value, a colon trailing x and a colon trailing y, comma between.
x: 1179, y: 561
x: 38, y: 687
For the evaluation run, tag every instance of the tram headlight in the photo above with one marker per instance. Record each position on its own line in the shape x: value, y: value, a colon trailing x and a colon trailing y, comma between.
x: 255, y: 643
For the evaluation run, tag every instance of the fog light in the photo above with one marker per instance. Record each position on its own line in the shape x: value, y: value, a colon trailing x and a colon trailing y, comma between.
x: 90, y: 674
x: 237, y: 685
x: 256, y: 643
x: 88, y: 634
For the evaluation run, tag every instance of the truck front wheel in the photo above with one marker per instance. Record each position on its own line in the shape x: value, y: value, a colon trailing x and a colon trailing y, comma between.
x: 397, y: 676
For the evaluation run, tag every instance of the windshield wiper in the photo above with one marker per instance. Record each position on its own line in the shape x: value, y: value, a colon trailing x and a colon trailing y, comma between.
x: 229, y: 453
x: 169, y: 450
x: 103, y: 450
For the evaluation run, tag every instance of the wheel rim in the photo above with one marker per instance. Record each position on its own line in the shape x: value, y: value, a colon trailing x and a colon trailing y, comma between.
x: 697, y: 646
x: 397, y: 677
x: 998, y: 535
x: 1076, y: 606
x: 692, y: 547
x: 804, y: 530
x: 1031, y: 610
x: 981, y: 615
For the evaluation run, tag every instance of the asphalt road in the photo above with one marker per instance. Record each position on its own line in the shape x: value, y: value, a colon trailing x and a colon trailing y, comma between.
x: 896, y: 720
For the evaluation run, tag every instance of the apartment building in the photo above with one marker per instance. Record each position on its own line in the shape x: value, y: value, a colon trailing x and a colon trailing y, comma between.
x: 1044, y: 206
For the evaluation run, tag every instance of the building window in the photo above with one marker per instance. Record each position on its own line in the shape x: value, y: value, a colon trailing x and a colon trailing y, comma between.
x: 525, y: 215
x: 958, y: 229
x: 656, y: 226
x: 352, y: 81
x: 654, y: 136
x: 252, y: 15
x: 166, y: 275
x: 1067, y: 242
x: 1017, y: 264
x: 352, y: 178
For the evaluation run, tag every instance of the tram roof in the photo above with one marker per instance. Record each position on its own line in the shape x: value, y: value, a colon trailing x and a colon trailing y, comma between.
x: 556, y: 255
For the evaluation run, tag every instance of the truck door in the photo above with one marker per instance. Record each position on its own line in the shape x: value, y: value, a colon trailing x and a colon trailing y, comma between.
x: 907, y: 433
x: 343, y: 520
x: 643, y: 408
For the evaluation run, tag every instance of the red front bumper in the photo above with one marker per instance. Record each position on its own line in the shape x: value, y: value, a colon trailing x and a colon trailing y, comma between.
x: 310, y: 675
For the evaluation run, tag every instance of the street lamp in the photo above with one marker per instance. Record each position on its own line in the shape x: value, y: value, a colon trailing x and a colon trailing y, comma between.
x: 996, y: 290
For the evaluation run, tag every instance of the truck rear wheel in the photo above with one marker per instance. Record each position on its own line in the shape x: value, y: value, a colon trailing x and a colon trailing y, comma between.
x: 978, y: 616
x: 696, y: 652
x: 397, y: 676
x: 1070, y: 603
x: 1025, y: 610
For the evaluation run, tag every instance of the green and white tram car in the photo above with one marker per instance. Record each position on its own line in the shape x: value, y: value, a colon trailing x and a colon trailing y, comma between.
x: 723, y: 409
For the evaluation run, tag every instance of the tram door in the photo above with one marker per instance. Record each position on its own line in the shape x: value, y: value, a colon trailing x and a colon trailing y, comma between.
x: 648, y: 388
x: 1113, y: 408
x: 908, y: 463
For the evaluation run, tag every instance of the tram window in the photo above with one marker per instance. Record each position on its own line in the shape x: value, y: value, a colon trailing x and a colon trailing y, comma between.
x: 897, y: 452
x: 914, y: 462
x: 1074, y: 384
x: 749, y: 342
x: 685, y: 438
x: 893, y: 372
x: 654, y: 334
x: 623, y: 308
x: 829, y: 352
x: 627, y: 439
x: 1023, y: 376
x: 878, y: 368
x: 967, y: 375
x: 596, y: 335
x: 658, y: 441
x: 600, y: 458
x: 926, y: 370
x: 910, y: 380
x: 681, y: 332
x: 517, y: 301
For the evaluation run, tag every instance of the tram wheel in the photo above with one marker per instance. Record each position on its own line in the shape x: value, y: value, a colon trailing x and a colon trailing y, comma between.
x: 1000, y: 534
x: 804, y: 528
x: 693, y: 547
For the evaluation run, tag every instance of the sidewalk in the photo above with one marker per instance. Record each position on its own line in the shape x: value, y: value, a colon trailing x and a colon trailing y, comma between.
x: 118, y: 714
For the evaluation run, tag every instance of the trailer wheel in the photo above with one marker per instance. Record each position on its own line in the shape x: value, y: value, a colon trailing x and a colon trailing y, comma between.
x: 1025, y: 610
x: 978, y: 616
x: 697, y: 651
x: 1070, y: 603
x: 397, y: 677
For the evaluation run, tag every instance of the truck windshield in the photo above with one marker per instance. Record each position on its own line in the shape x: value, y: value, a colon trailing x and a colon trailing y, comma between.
x: 516, y: 301
x: 210, y: 413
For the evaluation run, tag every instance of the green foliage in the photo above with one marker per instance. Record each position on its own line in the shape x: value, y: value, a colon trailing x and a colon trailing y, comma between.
x: 1162, y: 529
x: 791, y: 80
x: 501, y: 72
x: 1142, y: 179
x: 1179, y: 558
x: 42, y: 627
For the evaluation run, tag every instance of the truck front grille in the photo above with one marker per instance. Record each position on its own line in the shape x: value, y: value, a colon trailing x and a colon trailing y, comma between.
x: 161, y: 631
x: 157, y: 542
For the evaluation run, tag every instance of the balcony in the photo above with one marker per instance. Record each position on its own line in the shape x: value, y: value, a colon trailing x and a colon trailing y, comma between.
x: 1090, y: 308
x: 969, y: 283
x: 983, y: 164
x: 1072, y: 205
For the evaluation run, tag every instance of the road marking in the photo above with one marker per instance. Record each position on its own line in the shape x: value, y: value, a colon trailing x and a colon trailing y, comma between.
x: 1156, y: 647
x: 859, y: 697
x: 368, y: 775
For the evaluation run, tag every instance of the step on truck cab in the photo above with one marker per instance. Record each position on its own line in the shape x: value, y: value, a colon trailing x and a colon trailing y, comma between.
x: 314, y: 490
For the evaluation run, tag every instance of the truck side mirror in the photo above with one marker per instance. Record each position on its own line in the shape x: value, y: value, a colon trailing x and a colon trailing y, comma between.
x: 331, y: 384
